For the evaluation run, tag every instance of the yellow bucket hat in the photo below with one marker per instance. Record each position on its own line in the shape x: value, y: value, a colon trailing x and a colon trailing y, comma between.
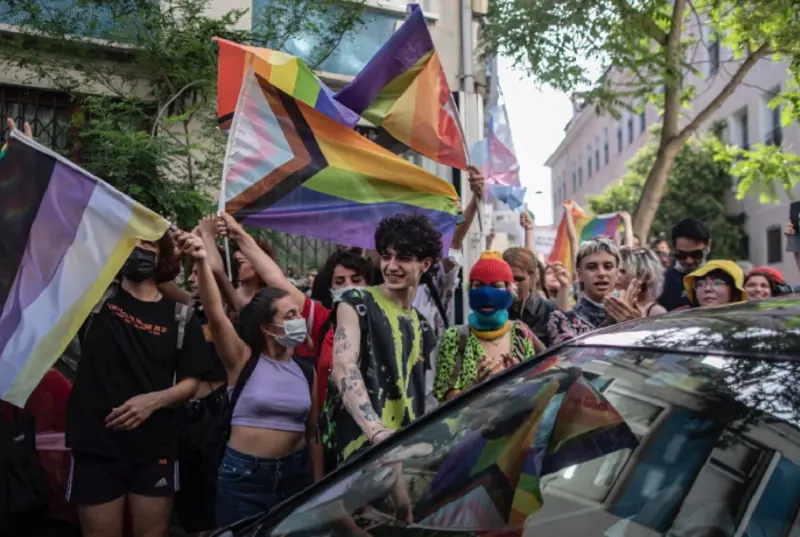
x: 729, y: 267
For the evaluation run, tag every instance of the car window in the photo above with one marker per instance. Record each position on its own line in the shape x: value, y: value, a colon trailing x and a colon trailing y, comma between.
x: 594, y: 442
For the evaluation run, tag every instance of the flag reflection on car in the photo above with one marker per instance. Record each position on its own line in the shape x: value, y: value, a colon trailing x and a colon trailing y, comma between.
x: 491, y: 479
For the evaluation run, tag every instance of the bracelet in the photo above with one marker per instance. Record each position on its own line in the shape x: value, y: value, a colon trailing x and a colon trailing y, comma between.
x: 372, y: 438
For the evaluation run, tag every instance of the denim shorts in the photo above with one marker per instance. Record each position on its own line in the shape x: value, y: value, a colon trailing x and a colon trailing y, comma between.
x: 250, y: 486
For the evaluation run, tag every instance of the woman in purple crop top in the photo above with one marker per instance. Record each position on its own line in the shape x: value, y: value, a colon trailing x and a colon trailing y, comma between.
x: 273, y: 446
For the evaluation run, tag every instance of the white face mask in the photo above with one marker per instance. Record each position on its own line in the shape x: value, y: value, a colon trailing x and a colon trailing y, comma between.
x: 295, y: 333
x: 337, y: 294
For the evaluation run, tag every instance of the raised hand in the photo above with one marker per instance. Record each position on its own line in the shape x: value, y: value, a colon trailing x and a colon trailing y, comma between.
x: 562, y: 274
x: 525, y: 220
x: 227, y: 226
x: 476, y: 181
x: 192, y: 245
x: 26, y: 127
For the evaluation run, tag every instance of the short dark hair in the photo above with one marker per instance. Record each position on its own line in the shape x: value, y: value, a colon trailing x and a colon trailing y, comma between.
x: 409, y: 234
x: 693, y: 229
x: 168, y: 265
x: 321, y: 290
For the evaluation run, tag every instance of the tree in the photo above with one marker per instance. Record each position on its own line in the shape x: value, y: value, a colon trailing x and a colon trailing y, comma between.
x: 697, y: 187
x: 144, y: 74
x: 649, y: 48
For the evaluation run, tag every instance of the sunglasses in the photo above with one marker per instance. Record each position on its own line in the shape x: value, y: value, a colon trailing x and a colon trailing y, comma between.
x: 694, y: 254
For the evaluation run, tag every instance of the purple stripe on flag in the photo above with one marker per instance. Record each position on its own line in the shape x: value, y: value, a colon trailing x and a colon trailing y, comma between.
x: 51, y: 235
x: 404, y: 49
x: 311, y: 213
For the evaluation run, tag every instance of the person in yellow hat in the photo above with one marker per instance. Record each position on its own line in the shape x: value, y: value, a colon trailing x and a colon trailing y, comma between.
x: 714, y: 284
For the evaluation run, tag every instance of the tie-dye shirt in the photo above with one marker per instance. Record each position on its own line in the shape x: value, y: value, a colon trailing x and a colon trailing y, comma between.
x: 395, y: 346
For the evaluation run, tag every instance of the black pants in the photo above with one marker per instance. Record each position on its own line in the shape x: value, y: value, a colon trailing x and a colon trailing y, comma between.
x: 202, y: 436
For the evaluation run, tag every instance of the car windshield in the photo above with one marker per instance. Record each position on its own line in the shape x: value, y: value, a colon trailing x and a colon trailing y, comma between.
x: 594, y: 441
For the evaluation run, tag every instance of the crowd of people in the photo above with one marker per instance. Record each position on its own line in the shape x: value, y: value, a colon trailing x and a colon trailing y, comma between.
x: 253, y: 389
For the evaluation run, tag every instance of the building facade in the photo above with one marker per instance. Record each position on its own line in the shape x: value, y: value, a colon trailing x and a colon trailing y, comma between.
x: 595, y: 148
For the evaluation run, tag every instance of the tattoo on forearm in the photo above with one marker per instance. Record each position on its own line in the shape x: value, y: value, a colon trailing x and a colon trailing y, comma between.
x: 367, y: 412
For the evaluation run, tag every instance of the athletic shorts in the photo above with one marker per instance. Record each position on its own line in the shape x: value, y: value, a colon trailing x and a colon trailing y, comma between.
x: 94, y: 480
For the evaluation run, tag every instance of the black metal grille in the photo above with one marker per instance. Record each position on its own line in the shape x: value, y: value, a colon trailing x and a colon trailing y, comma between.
x: 48, y: 112
x: 295, y: 254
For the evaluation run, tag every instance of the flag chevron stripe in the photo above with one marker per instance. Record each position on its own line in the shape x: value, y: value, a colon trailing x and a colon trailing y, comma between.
x: 273, y: 188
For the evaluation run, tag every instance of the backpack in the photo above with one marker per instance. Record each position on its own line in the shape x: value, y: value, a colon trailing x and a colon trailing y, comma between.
x: 182, y: 314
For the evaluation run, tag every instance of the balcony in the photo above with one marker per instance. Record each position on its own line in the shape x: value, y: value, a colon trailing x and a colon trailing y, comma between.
x: 774, y: 137
x: 87, y: 19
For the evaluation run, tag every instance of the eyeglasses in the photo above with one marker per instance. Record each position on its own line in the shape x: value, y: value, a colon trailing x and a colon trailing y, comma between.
x: 694, y: 254
x: 716, y: 283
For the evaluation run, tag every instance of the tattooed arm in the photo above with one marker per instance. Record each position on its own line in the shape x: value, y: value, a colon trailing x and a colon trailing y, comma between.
x: 347, y: 375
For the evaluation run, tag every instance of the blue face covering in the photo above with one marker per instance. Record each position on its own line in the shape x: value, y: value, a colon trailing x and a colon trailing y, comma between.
x: 482, y: 298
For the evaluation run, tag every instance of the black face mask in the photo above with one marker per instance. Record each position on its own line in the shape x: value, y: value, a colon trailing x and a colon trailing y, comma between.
x: 140, y: 266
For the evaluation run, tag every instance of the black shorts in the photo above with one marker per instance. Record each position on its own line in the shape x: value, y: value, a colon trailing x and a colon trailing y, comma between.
x: 94, y: 480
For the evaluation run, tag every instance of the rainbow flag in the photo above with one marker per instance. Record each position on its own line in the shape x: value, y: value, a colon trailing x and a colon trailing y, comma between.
x: 291, y: 168
x: 604, y: 225
x: 497, y: 160
x: 65, y: 236
x: 287, y: 73
x: 404, y: 90
x: 561, y: 252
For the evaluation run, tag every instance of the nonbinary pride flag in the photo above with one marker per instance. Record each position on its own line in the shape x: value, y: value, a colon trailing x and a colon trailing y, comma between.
x: 65, y: 236
x: 291, y: 168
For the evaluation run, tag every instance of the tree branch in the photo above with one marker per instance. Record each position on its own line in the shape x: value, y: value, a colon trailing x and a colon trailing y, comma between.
x: 656, y: 33
x: 730, y: 87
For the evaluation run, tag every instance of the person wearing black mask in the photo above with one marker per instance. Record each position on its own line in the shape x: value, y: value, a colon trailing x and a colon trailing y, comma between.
x: 691, y: 241
x: 139, y: 360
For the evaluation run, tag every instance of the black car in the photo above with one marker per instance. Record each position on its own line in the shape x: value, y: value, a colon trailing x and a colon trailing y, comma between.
x: 683, y: 425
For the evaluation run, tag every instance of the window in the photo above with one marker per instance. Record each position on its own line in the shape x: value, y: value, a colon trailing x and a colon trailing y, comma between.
x: 774, y: 245
x: 713, y: 56
x: 619, y: 139
x: 720, y: 130
x: 642, y: 120
x: 564, y: 191
x: 48, y: 112
x: 597, y: 153
x: 574, y: 181
x: 774, y: 135
x: 630, y: 129
x: 742, y: 125
x: 351, y: 53
x: 605, y: 145
x: 588, y: 161
x: 580, y: 176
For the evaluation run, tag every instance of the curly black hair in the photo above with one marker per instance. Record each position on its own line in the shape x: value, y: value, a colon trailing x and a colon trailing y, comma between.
x: 410, y: 235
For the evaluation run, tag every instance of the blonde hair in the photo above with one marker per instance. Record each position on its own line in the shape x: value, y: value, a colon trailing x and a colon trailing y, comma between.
x: 596, y: 246
x: 643, y: 265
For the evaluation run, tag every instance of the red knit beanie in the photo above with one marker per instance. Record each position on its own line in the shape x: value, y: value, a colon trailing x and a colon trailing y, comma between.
x: 770, y: 273
x: 491, y: 268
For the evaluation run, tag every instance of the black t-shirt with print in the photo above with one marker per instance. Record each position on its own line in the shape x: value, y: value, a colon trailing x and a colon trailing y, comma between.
x: 131, y: 349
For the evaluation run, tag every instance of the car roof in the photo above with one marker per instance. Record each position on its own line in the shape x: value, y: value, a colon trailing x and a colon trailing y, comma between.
x: 761, y: 329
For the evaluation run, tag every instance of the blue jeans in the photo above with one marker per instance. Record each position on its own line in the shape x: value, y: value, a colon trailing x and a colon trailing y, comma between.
x: 251, y: 486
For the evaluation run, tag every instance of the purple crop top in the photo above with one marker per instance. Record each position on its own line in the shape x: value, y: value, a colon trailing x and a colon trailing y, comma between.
x: 276, y: 396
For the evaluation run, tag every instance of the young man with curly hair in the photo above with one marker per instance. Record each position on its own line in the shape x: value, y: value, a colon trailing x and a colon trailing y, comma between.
x: 382, y: 345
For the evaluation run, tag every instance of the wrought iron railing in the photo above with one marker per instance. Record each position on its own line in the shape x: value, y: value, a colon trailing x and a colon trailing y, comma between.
x: 48, y: 112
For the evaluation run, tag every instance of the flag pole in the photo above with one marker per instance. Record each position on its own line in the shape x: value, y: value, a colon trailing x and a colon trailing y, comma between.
x: 468, y: 157
x: 226, y: 162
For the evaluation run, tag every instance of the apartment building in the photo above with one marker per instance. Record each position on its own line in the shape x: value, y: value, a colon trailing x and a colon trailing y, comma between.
x: 595, y: 148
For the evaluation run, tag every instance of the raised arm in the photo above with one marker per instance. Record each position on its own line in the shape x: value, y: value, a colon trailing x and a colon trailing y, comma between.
x: 527, y: 223
x: 574, y: 242
x: 265, y: 267
x: 347, y: 374
x: 628, y: 224
x: 476, y: 187
x: 207, y: 231
x: 229, y: 346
